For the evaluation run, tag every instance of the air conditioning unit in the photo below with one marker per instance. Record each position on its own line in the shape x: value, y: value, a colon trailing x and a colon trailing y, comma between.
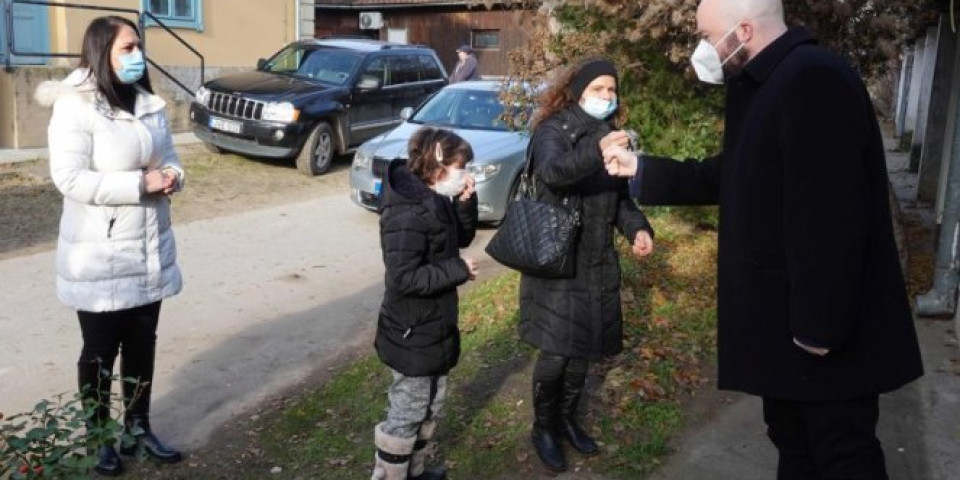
x: 371, y: 20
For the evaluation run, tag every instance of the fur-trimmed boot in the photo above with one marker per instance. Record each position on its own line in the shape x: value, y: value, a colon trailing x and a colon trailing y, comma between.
x: 418, y: 461
x: 392, y: 460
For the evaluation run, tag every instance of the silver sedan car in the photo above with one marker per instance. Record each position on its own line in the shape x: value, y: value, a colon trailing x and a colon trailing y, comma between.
x: 471, y: 110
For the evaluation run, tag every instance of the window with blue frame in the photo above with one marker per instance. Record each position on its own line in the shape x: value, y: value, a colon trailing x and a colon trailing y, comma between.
x: 175, y: 13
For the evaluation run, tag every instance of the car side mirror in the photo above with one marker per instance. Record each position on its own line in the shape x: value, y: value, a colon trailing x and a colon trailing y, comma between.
x: 261, y: 63
x: 368, y: 83
x: 406, y: 113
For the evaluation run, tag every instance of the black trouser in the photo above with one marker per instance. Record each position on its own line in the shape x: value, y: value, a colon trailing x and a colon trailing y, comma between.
x: 826, y: 440
x: 132, y: 333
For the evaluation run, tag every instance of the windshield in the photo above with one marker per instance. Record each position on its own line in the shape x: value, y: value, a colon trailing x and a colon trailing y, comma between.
x: 459, y: 108
x: 326, y: 65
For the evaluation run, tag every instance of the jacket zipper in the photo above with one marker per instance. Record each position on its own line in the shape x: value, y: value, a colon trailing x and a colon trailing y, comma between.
x: 110, y: 226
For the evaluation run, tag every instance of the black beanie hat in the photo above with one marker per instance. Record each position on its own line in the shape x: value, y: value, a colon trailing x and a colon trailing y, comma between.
x: 589, y: 72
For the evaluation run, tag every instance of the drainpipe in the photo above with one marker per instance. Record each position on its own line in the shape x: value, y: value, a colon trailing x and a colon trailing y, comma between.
x: 296, y: 19
x: 942, y: 298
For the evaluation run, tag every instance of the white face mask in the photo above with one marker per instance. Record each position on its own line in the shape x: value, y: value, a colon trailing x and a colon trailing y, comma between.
x: 599, y: 108
x: 452, y: 184
x: 706, y: 60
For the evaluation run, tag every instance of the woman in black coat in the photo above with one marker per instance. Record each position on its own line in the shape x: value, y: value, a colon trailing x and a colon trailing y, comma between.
x: 577, y: 319
x: 429, y: 212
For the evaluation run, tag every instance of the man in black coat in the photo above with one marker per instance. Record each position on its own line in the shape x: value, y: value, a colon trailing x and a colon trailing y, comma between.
x: 812, y: 309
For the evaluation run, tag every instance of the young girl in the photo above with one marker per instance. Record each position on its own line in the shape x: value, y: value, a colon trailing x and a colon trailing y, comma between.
x: 429, y: 212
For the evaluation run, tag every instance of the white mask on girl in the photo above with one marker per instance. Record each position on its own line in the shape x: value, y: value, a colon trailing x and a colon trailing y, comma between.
x: 454, y: 182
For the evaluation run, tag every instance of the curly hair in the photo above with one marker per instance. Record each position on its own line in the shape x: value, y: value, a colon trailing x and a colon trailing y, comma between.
x: 422, y: 152
x: 558, y: 95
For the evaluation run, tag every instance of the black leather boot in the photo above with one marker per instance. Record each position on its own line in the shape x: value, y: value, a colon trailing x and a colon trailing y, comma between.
x: 93, y: 378
x: 574, y: 378
x: 138, y: 364
x: 547, y: 385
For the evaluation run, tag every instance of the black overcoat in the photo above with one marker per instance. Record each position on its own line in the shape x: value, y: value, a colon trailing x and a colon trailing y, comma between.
x: 580, y: 316
x: 806, y: 245
x: 421, y: 234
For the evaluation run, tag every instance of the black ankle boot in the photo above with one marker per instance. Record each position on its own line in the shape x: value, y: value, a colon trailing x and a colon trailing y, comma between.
x: 108, y: 463
x: 574, y: 378
x: 139, y: 429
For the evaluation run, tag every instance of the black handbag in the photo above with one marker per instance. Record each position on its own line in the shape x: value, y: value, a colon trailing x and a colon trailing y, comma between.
x: 537, y: 238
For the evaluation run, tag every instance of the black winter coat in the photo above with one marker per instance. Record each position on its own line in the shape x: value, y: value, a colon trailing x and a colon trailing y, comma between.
x: 579, y: 317
x: 421, y: 234
x: 806, y: 246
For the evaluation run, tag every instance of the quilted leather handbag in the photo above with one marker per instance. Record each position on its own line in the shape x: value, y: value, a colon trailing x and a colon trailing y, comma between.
x: 535, y: 237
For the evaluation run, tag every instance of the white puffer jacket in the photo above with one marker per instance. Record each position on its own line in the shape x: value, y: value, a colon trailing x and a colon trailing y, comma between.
x: 116, y: 248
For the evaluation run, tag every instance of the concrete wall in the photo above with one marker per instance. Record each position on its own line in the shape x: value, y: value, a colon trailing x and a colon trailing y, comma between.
x: 923, y: 104
x: 23, y: 123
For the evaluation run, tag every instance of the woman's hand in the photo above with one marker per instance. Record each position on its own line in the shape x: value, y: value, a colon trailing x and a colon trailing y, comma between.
x: 616, y: 137
x: 642, y: 244
x: 159, y: 181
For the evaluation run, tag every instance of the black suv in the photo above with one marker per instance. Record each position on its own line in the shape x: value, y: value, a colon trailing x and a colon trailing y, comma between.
x: 315, y: 99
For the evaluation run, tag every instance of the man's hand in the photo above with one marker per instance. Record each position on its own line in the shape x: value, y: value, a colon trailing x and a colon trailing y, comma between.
x: 620, y: 162
x: 642, y: 244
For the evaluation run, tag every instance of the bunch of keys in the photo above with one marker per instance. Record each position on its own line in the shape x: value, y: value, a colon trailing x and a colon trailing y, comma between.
x: 634, y: 140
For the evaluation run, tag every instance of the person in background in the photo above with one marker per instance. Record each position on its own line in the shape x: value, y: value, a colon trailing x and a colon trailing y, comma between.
x: 575, y: 320
x: 112, y: 158
x: 467, y: 68
x: 429, y: 213
x: 812, y: 313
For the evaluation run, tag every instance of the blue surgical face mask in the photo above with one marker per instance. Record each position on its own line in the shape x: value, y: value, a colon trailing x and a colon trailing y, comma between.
x: 599, y: 108
x: 131, y: 67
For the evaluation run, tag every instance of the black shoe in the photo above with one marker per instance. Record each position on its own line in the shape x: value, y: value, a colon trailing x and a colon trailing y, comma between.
x: 145, y: 439
x: 578, y: 438
x: 108, y: 463
x: 434, y: 473
x: 548, y: 449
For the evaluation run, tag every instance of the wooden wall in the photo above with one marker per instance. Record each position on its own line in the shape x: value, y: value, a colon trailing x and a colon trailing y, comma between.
x: 443, y: 29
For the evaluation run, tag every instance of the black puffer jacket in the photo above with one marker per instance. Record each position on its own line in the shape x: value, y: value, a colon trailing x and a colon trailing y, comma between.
x: 580, y: 317
x: 421, y: 233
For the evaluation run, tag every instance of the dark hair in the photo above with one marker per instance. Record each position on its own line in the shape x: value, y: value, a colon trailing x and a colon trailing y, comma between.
x: 559, y: 94
x: 422, y: 151
x: 95, y: 56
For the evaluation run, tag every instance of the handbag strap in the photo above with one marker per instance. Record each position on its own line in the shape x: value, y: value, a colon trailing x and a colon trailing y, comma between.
x: 529, y: 185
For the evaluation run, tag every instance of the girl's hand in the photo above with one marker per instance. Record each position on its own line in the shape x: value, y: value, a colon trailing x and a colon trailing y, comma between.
x: 642, y: 244
x: 469, y: 187
x: 471, y: 268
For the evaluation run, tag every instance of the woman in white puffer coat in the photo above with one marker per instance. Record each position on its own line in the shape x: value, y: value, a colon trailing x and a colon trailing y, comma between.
x: 112, y: 158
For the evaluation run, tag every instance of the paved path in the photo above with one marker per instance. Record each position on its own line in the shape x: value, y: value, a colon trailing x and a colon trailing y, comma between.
x: 270, y: 297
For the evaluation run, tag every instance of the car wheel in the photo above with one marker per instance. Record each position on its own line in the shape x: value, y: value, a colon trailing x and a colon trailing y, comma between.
x: 317, y: 153
x: 212, y: 148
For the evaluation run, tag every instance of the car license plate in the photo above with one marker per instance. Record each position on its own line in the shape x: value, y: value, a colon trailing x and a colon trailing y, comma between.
x: 377, y: 187
x: 225, y: 125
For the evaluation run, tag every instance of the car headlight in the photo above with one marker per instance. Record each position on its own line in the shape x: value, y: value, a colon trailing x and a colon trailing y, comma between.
x: 280, y: 112
x: 203, y: 96
x: 362, y: 160
x: 482, y: 173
